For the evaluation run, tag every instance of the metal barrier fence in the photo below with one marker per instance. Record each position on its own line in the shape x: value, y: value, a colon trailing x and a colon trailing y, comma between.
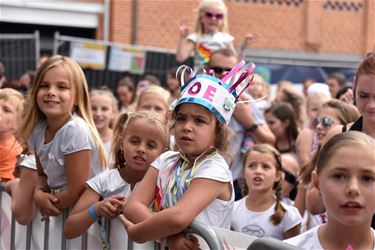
x: 158, y: 61
x: 18, y: 53
x: 49, y: 234
x: 42, y: 235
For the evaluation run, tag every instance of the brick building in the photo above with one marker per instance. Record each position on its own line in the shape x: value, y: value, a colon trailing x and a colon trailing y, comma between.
x: 321, y: 33
x: 304, y: 27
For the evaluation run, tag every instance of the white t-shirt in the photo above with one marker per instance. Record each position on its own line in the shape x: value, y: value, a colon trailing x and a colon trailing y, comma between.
x: 29, y: 162
x: 208, y: 43
x: 310, y: 239
x: 106, y: 184
x: 72, y: 137
x: 109, y: 183
x: 219, y: 212
x: 258, y: 224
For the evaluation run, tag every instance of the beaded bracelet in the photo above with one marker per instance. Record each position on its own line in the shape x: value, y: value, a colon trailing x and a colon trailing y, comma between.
x: 92, y: 213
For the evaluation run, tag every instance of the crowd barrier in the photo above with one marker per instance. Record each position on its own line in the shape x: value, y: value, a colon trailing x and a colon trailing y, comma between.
x: 49, y: 234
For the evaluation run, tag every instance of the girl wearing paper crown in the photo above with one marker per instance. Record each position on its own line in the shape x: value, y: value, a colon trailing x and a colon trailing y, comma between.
x: 197, y: 176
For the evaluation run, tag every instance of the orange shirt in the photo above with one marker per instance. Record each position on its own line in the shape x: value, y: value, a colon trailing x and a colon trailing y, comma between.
x: 10, y: 149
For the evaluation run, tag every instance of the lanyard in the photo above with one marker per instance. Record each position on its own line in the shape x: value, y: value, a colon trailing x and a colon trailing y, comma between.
x: 178, y: 179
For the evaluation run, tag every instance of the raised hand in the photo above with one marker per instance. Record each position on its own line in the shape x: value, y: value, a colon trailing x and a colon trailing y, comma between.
x: 184, y: 29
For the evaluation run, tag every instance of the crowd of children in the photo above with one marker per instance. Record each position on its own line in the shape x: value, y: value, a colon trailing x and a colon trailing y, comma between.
x: 154, y: 159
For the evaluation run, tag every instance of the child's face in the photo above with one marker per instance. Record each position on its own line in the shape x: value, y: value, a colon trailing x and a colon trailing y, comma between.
x: 124, y: 95
x: 143, y: 142
x: 312, y: 109
x: 8, y: 116
x: 277, y: 126
x: 347, y: 185
x: 102, y: 110
x: 260, y: 172
x: 154, y: 103
x: 212, y: 19
x: 194, y: 129
x: 55, y: 96
x: 258, y: 88
x: 324, y: 122
x: 365, y: 97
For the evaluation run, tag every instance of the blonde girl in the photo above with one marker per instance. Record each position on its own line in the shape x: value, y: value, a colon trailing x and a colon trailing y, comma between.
x: 104, y: 109
x: 11, y: 107
x: 60, y: 130
x: 345, y: 178
x: 138, y: 139
x: 154, y: 99
x: 210, y: 33
x: 262, y: 213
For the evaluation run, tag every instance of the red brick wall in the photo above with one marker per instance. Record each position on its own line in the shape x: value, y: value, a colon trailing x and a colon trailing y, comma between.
x: 327, y: 26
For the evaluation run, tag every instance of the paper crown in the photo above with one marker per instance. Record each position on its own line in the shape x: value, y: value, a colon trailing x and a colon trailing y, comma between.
x: 217, y: 95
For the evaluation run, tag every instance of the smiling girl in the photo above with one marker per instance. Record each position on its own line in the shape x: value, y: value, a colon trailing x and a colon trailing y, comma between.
x: 210, y: 33
x: 59, y: 128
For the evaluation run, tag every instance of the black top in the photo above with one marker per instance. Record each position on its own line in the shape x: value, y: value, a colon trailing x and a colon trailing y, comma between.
x: 357, y: 125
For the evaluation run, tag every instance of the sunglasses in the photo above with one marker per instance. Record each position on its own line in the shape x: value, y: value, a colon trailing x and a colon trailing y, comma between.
x: 219, y: 70
x: 326, y: 121
x: 289, y: 177
x: 211, y: 15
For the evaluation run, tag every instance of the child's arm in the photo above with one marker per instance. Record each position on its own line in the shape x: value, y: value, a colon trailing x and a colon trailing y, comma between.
x: 137, y: 208
x: 80, y: 219
x: 248, y: 40
x: 77, y: 166
x: 42, y: 198
x: 22, y: 191
x: 185, y: 46
x: 199, y: 195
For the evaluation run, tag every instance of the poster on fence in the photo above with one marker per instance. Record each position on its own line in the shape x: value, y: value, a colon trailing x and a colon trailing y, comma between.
x: 127, y: 59
x: 88, y: 55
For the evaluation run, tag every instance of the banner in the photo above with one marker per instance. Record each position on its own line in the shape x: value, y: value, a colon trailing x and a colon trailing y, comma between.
x: 88, y: 55
x: 127, y: 59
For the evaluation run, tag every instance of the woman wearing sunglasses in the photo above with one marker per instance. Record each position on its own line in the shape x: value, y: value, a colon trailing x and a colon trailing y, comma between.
x: 333, y: 112
x: 210, y: 33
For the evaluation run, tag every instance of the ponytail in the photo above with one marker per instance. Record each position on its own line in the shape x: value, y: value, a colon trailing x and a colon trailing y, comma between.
x: 279, y: 209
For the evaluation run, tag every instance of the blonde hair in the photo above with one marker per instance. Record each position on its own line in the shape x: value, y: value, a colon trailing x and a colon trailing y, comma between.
x: 8, y: 93
x: 317, y: 97
x: 268, y: 149
x: 33, y: 114
x: 154, y: 89
x: 203, y: 5
x: 121, y: 125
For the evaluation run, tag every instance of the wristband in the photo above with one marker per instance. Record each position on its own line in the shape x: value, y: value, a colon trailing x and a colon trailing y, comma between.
x: 92, y: 213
